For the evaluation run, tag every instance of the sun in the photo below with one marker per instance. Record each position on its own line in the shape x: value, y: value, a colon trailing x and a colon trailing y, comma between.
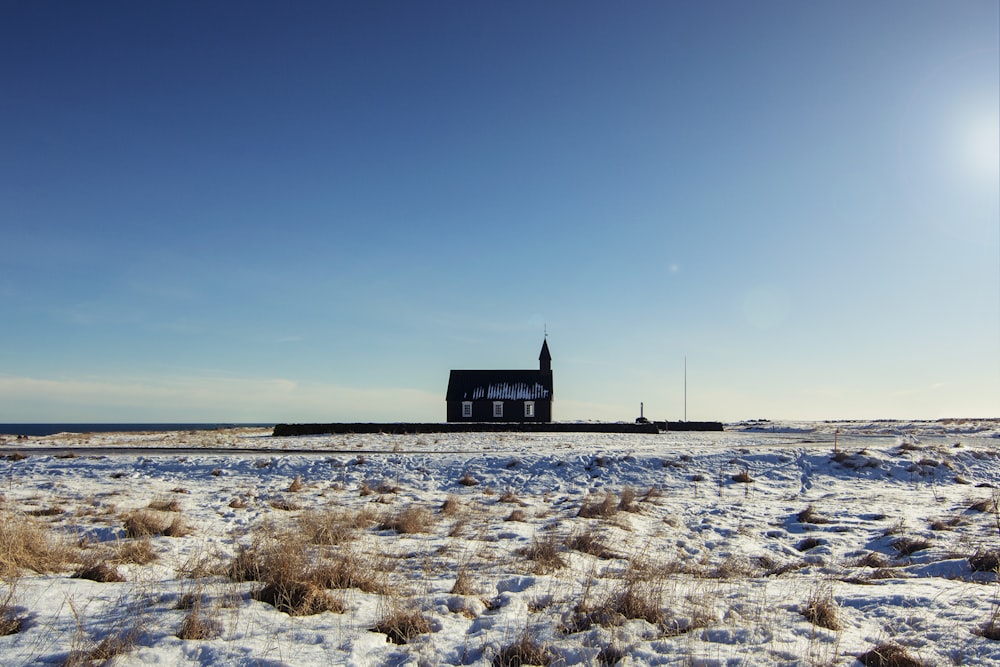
x: 977, y: 141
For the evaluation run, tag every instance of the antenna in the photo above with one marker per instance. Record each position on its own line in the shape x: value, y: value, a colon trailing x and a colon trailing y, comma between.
x: 685, y: 387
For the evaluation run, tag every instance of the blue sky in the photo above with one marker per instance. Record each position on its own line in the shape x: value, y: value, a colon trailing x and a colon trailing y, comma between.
x: 263, y: 211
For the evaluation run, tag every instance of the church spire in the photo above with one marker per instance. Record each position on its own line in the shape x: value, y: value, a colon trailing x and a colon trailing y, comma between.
x: 545, y: 358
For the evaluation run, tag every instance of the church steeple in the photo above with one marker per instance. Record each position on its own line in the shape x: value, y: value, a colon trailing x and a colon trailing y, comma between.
x: 545, y: 358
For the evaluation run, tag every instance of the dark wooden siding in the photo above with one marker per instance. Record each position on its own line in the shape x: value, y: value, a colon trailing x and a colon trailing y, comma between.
x: 513, y: 411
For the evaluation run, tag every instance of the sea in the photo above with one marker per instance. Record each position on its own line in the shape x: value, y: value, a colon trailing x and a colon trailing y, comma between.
x: 50, y: 429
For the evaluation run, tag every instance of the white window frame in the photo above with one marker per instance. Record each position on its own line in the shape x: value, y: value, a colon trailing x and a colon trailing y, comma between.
x: 466, y: 409
x: 498, y: 409
x: 529, y: 409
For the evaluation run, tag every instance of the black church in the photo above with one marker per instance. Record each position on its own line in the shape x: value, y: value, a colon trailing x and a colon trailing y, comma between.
x: 502, y: 396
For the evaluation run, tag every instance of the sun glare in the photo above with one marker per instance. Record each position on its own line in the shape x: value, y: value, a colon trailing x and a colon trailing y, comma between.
x: 978, y: 144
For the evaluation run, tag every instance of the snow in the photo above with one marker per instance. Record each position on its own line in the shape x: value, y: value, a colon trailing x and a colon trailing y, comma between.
x: 731, y: 565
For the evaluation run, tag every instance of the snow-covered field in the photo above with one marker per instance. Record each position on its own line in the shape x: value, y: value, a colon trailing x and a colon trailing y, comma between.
x: 477, y: 549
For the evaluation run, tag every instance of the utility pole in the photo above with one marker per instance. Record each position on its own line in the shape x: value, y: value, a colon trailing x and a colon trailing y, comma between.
x: 685, y: 387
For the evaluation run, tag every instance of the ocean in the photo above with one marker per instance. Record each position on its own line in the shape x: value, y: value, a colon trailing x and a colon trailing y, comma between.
x: 49, y: 429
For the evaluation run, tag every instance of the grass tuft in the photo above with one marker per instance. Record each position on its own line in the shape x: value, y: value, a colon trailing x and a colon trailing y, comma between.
x: 101, y: 572
x: 27, y: 544
x: 401, y: 624
x: 544, y: 553
x: 888, y: 654
x: 411, y: 519
x: 525, y: 651
x: 600, y: 509
x: 821, y: 610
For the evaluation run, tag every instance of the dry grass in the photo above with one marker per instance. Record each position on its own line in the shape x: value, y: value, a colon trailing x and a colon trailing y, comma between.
x: 296, y: 485
x: 282, y: 561
x: 544, y: 554
x: 588, y: 542
x: 871, y: 559
x: 105, y: 651
x: 626, y: 503
x: 600, y: 509
x: 888, y: 655
x: 10, y: 621
x: 299, y: 598
x: 463, y: 582
x: 27, y: 544
x: 985, y: 561
x: 743, y: 477
x: 99, y: 571
x: 409, y: 520
x: 402, y: 624
x: 468, y: 480
x: 46, y: 511
x: 284, y: 504
x: 148, y: 523
x: 165, y: 505
x: 987, y: 505
x: 525, y: 651
x: 137, y: 552
x: 333, y: 526
x: 451, y: 506
x: 293, y: 580
x: 907, y: 546
x: 509, y: 497
x: 821, y: 609
x: 809, y: 515
x: 199, y: 626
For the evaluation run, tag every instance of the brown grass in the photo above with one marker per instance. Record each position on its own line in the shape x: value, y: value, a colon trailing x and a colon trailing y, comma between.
x: 112, y: 646
x: 743, y: 477
x: 46, y: 511
x: 987, y: 505
x: 627, y: 501
x: 409, y: 520
x: 907, y: 546
x: 468, y: 480
x: 138, y: 551
x: 888, y: 655
x: 525, y: 651
x: 463, y: 582
x: 296, y: 485
x: 600, y: 509
x: 10, y: 621
x: 544, y: 554
x: 401, y: 624
x: 143, y: 524
x: 165, y: 505
x: 809, y: 515
x: 333, y: 526
x: 821, y: 610
x: 27, y: 544
x: 284, y: 504
x: 278, y: 560
x: 985, y: 561
x: 99, y: 571
x: 451, y: 506
x: 299, y: 598
x: 588, y: 542
x: 199, y: 626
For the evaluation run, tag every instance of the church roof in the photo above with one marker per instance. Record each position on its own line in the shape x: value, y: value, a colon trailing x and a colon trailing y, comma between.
x: 527, y: 385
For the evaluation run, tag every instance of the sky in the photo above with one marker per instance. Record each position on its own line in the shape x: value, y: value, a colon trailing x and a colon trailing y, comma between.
x: 312, y: 211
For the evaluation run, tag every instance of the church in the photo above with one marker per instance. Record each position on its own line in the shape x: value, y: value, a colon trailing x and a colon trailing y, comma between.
x: 502, y: 396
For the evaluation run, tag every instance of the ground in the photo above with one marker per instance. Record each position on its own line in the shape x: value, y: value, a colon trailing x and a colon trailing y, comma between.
x: 798, y: 544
